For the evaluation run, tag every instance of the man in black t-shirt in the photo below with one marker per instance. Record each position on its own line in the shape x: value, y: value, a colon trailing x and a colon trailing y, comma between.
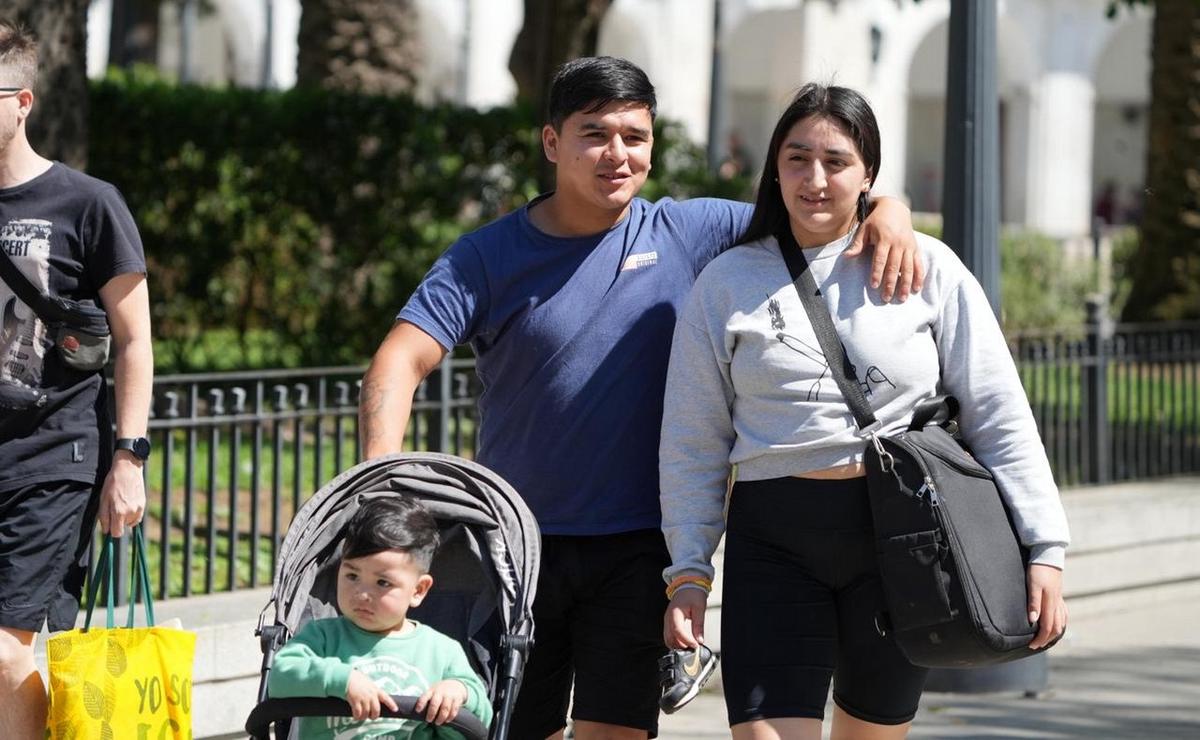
x: 71, y: 236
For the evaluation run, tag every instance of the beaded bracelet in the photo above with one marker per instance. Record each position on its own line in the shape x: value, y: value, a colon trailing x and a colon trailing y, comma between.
x: 693, y: 581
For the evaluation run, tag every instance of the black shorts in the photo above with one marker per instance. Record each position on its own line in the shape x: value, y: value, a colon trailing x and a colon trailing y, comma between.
x: 598, y: 619
x: 45, y: 530
x: 800, y: 597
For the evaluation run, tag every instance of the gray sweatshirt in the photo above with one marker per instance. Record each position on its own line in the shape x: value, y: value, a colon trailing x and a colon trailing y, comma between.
x: 749, y: 386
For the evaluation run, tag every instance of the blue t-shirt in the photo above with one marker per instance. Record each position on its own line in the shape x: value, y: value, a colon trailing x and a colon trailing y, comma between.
x: 572, y: 338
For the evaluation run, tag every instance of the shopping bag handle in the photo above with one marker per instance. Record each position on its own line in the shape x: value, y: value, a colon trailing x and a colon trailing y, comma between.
x: 140, y: 583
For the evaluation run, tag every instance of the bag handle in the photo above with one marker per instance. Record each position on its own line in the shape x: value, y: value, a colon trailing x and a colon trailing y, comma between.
x: 928, y: 409
x: 827, y: 337
x: 140, y: 583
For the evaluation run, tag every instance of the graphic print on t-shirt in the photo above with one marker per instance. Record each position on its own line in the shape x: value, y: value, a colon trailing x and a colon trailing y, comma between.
x: 23, y: 341
x: 874, y: 377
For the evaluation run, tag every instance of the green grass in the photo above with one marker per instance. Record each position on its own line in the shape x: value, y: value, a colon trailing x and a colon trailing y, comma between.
x: 1135, y: 394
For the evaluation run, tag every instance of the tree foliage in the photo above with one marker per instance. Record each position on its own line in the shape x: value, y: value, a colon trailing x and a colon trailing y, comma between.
x: 308, y: 216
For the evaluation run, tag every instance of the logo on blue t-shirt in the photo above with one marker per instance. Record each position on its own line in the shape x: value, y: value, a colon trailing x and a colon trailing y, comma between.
x: 638, y: 261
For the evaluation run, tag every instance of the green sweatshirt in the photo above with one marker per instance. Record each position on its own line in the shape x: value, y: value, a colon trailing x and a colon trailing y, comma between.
x: 318, y: 661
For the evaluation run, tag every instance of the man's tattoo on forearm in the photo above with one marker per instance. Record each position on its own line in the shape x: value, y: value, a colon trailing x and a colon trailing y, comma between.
x: 370, y: 405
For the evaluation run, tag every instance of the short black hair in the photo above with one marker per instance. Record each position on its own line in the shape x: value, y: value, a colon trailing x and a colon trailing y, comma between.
x: 845, y: 108
x: 400, y: 523
x: 18, y: 55
x: 587, y: 84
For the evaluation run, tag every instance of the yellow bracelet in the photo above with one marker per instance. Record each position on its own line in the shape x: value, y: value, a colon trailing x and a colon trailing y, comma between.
x: 681, y: 581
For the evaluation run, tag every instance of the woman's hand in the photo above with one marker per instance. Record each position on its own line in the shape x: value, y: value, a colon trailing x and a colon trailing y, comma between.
x: 1046, y: 606
x: 683, y: 624
x: 896, y: 267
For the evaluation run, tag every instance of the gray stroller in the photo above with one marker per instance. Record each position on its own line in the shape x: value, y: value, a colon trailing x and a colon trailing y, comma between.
x: 485, y: 573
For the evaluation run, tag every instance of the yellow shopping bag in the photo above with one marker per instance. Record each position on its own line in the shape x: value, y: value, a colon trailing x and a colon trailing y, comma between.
x: 131, y: 683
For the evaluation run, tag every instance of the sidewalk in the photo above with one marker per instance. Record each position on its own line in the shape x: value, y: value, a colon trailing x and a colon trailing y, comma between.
x: 1128, y: 675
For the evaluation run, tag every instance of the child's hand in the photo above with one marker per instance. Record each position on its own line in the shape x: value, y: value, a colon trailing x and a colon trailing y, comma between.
x: 443, y: 700
x: 365, y: 697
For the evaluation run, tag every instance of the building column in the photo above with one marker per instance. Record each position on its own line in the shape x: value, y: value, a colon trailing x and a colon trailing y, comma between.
x: 1059, y: 166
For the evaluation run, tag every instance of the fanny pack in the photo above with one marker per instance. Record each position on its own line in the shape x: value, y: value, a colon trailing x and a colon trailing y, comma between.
x: 79, y: 329
x: 952, y: 567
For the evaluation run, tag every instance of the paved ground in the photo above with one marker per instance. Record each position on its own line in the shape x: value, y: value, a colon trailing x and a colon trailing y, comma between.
x: 1132, y: 675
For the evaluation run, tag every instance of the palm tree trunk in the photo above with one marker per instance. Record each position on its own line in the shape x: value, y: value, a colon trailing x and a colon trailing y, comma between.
x: 58, y: 125
x: 368, y: 46
x: 1166, y: 274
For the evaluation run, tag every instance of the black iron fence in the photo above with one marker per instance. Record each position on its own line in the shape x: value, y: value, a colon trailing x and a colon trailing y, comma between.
x: 1115, y: 403
x: 237, y: 453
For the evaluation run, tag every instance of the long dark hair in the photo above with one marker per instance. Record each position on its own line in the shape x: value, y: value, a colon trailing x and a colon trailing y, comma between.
x: 845, y: 107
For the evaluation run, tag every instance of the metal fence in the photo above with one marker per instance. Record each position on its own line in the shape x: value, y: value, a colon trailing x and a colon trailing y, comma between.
x: 237, y: 453
x: 1115, y: 403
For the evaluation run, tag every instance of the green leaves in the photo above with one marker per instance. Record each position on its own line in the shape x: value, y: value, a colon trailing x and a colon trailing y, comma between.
x: 298, y: 223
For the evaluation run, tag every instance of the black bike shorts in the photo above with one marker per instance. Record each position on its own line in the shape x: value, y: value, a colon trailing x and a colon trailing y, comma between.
x: 800, y: 598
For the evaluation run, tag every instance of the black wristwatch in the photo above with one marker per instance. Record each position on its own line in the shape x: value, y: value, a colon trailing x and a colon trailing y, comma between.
x: 139, y: 446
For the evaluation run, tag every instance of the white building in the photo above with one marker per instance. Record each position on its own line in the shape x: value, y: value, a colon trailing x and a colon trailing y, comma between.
x: 1074, y: 85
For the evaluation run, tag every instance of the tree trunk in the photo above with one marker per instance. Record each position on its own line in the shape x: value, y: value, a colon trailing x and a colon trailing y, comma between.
x: 554, y: 31
x: 368, y: 46
x: 58, y: 125
x: 133, y: 33
x: 1166, y: 272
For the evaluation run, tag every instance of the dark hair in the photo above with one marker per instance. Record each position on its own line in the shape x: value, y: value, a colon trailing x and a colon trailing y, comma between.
x: 18, y: 56
x: 844, y: 107
x: 398, y: 523
x: 588, y: 84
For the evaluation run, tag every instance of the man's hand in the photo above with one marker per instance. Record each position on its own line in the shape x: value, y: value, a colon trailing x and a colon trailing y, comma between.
x: 442, y: 701
x: 123, y: 498
x: 365, y: 697
x: 896, y: 268
x: 683, y: 624
x: 1046, y: 606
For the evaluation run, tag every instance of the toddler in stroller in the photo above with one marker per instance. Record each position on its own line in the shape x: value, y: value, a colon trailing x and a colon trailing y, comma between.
x: 485, y: 571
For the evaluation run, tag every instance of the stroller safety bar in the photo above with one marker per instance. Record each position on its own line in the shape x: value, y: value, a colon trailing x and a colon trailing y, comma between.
x: 275, y: 710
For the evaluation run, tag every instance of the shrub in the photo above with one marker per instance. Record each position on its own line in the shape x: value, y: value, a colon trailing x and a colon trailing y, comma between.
x: 297, y: 223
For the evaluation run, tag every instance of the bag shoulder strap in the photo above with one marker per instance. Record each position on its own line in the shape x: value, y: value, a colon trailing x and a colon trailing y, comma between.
x: 840, y: 366
x: 52, y: 309
x: 42, y: 304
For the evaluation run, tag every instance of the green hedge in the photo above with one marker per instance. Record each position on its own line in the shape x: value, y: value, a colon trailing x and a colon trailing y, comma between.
x: 293, y: 225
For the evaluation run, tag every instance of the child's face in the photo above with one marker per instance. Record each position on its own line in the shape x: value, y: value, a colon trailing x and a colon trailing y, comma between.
x: 376, y: 591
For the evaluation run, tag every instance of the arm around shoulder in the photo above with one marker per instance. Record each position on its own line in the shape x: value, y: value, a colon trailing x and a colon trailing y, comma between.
x: 406, y: 357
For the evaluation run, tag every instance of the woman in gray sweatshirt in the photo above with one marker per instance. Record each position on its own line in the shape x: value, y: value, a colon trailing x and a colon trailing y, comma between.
x: 748, y: 386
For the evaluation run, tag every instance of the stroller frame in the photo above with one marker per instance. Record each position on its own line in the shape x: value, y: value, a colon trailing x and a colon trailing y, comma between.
x: 485, y: 575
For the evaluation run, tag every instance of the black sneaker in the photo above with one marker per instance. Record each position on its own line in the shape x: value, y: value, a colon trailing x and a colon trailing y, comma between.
x: 682, y: 673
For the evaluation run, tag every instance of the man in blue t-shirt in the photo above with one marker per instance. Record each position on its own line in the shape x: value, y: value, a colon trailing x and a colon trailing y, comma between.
x: 569, y: 304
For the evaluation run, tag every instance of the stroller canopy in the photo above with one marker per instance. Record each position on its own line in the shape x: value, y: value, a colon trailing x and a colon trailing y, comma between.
x: 485, y: 571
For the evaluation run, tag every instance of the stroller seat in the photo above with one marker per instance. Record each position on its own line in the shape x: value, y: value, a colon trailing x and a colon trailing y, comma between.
x: 484, y: 572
